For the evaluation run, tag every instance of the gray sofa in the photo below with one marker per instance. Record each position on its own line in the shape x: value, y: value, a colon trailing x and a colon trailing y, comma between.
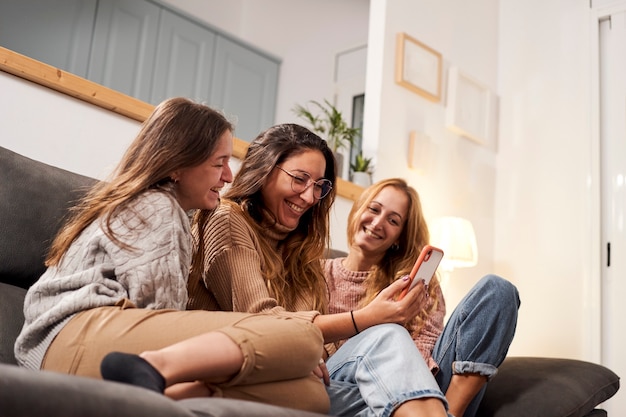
x: 34, y: 198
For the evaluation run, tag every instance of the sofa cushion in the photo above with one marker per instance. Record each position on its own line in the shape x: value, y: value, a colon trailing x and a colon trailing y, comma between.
x: 223, y: 407
x: 542, y: 387
x: 42, y: 393
x: 35, y: 198
x: 597, y: 413
x: 12, y: 319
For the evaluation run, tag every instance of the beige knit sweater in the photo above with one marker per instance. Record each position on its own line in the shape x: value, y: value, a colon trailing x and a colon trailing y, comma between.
x: 231, y: 278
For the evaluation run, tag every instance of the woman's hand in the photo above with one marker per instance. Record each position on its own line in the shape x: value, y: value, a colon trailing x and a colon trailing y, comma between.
x: 386, y: 309
x: 322, y: 372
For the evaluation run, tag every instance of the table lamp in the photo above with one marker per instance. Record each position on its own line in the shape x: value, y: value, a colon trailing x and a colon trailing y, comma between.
x: 455, y: 235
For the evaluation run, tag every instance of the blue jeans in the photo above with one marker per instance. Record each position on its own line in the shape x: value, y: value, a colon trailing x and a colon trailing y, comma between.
x: 376, y: 371
x: 478, y: 334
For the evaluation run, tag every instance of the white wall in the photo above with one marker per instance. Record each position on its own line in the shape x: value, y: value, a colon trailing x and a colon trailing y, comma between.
x: 60, y: 130
x: 529, y: 201
x: 543, y: 205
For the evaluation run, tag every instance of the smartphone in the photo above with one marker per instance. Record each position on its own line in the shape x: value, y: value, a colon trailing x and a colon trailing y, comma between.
x: 424, y: 268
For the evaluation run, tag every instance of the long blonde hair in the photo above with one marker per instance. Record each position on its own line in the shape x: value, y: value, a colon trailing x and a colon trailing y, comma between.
x: 294, y: 271
x: 178, y: 134
x: 399, y: 259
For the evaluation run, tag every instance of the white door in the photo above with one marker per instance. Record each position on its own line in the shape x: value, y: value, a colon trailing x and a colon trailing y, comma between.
x: 613, y: 189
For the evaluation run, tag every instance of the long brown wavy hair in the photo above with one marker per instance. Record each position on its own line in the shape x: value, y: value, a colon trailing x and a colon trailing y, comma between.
x: 178, y: 134
x: 294, y: 272
x: 399, y: 259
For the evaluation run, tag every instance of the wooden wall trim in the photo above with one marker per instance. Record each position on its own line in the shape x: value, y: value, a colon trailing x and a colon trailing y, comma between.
x: 67, y: 83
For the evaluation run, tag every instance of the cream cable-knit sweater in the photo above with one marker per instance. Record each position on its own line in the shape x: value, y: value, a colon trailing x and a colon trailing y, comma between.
x: 347, y: 289
x: 96, y: 272
x: 231, y: 278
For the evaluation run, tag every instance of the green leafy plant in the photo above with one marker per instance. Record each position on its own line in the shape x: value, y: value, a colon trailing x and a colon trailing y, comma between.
x: 362, y: 164
x: 328, y: 122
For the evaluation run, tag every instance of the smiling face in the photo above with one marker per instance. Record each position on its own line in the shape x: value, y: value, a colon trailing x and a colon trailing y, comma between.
x: 198, y: 187
x: 278, y: 195
x: 382, y: 221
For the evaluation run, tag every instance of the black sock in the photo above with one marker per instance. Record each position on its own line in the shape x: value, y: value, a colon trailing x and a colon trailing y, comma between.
x: 131, y: 369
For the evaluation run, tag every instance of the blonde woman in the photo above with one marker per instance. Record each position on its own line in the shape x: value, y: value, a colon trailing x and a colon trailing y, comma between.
x: 386, y: 232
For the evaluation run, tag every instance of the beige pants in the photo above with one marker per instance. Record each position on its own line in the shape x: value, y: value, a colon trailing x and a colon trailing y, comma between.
x: 279, y: 353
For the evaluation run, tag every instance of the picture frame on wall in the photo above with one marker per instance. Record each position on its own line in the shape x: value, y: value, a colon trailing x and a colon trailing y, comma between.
x: 470, y: 108
x: 418, y: 67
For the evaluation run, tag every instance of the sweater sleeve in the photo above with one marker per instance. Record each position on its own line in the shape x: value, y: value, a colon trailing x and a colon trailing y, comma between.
x: 154, y: 271
x: 232, y: 271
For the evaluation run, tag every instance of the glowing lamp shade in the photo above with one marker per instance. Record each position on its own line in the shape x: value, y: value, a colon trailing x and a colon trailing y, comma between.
x: 456, y: 237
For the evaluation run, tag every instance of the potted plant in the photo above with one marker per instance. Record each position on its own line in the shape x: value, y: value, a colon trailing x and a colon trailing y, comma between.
x: 362, y: 170
x: 329, y: 123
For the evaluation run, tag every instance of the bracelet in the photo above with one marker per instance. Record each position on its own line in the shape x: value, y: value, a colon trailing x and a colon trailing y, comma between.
x: 356, y: 329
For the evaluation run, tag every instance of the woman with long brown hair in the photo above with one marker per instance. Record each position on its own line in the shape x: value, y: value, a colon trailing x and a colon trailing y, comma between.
x: 262, y: 250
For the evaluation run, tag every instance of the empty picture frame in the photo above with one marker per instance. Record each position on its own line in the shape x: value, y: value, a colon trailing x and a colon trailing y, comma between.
x: 469, y: 111
x: 418, y: 67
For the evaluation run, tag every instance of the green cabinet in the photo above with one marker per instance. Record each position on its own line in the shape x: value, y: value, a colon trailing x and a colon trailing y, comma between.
x: 184, y: 60
x: 124, y: 46
x: 147, y: 50
x: 57, y: 32
x: 246, y: 82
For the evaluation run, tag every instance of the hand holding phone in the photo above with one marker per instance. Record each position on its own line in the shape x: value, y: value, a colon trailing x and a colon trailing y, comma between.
x: 424, y: 268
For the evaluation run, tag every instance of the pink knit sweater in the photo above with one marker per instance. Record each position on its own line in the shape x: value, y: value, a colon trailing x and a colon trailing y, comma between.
x: 346, y: 289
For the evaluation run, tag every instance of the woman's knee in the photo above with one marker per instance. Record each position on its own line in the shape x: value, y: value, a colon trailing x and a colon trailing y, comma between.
x: 284, y: 335
x: 275, y: 348
x: 304, y: 337
x: 500, y: 289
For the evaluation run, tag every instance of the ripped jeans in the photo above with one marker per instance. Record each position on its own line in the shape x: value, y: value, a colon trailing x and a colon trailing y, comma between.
x: 376, y: 371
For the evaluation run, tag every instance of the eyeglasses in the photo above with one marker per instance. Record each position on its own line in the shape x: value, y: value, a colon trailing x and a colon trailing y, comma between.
x: 300, y: 183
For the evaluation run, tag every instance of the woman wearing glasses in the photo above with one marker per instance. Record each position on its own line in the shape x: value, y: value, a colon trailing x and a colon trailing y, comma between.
x: 261, y: 251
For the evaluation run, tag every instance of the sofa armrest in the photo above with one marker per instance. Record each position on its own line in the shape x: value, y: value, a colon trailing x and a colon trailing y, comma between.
x: 11, y: 320
x: 540, y: 387
x: 35, y: 198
